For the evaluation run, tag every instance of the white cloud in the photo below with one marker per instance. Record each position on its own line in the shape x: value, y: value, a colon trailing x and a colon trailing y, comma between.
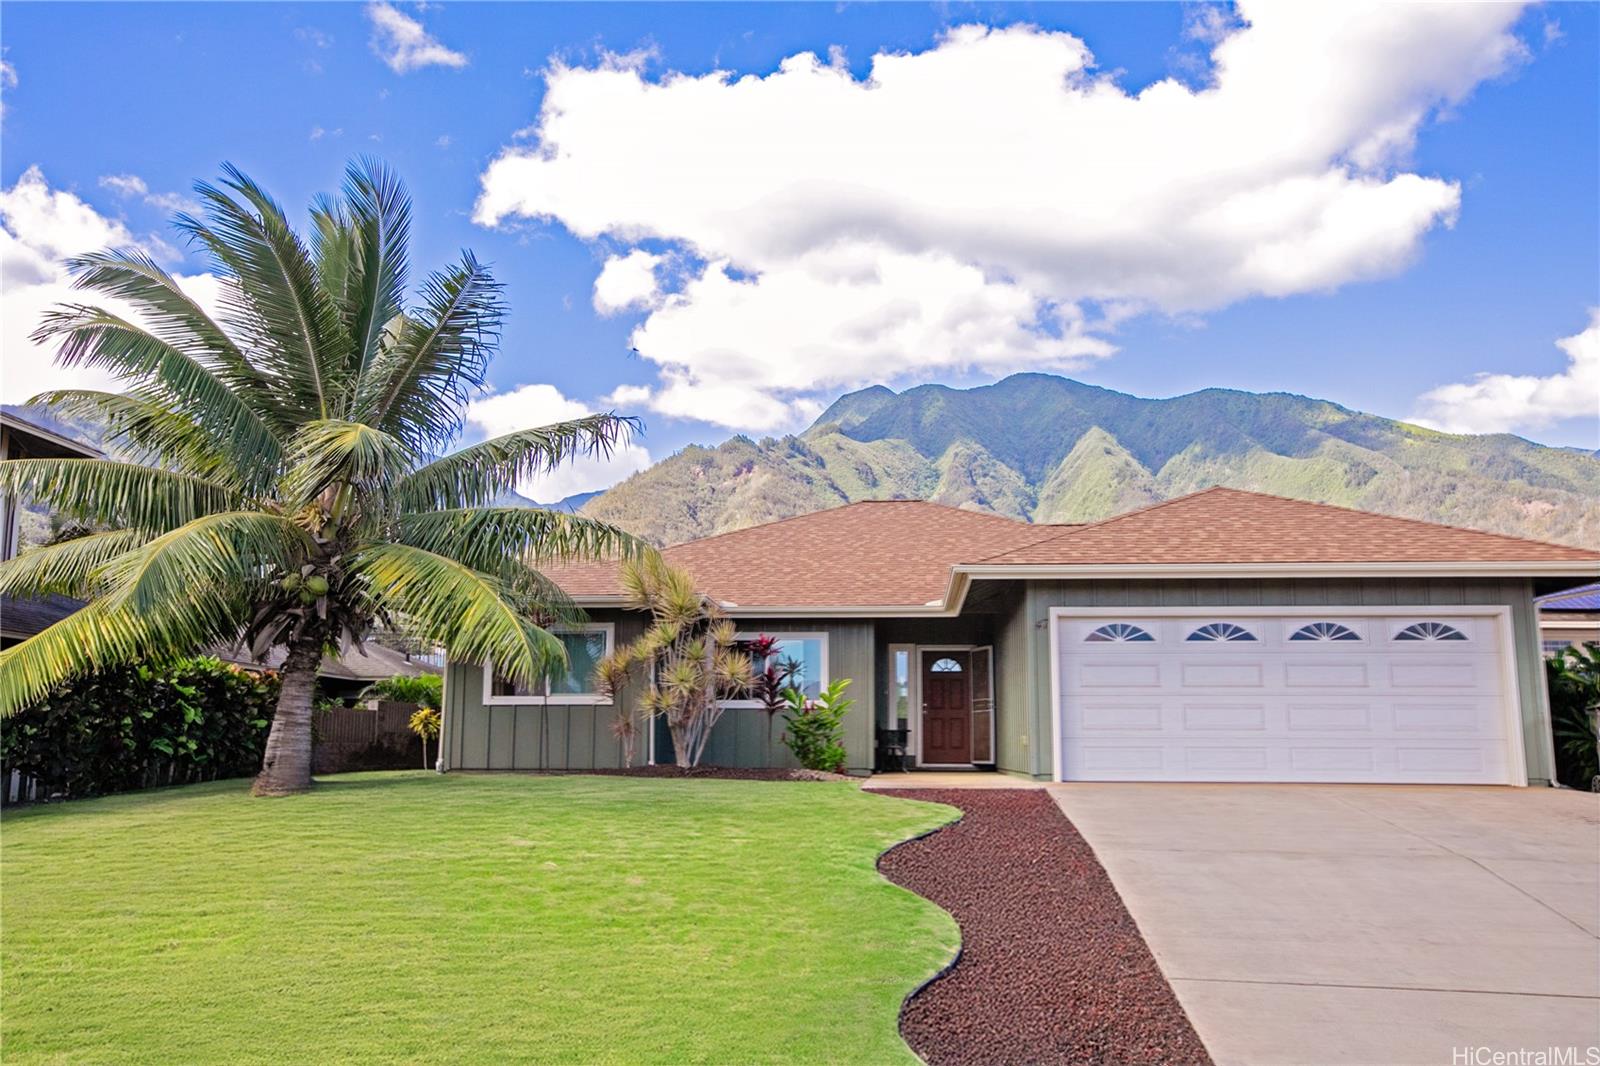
x: 401, y: 42
x: 442, y: 141
x: 131, y: 186
x: 8, y: 80
x: 39, y: 226
x: 626, y: 281
x: 529, y: 406
x: 125, y: 185
x: 1001, y: 163
x: 1498, y: 403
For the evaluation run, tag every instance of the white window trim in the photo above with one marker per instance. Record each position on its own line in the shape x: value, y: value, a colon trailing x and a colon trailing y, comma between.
x: 781, y: 634
x: 558, y: 699
x: 913, y: 697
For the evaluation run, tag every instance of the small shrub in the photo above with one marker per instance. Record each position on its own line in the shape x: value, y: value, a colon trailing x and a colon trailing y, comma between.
x: 425, y: 723
x: 815, y: 728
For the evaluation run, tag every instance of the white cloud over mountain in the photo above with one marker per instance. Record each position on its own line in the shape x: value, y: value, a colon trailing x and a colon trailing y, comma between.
x: 963, y: 205
x: 540, y: 405
x: 1499, y: 403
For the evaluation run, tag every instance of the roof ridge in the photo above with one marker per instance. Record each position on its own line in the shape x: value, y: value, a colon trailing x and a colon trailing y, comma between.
x: 1396, y: 518
x: 1074, y: 530
x: 845, y: 507
x: 1290, y: 499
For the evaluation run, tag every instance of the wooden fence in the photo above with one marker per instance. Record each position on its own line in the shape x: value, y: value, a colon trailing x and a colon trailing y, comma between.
x: 356, y: 738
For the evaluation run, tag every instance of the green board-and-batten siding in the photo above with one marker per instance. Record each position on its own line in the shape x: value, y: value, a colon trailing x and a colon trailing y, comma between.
x: 578, y: 737
x: 1039, y: 597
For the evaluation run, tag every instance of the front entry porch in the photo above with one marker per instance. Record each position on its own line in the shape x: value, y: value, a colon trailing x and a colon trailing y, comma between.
x: 941, y: 708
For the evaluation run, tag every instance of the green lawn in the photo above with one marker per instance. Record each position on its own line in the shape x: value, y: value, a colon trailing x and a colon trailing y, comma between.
x: 413, y: 917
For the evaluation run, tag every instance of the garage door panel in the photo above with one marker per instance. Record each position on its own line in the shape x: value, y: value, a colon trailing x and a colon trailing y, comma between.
x: 1356, y: 704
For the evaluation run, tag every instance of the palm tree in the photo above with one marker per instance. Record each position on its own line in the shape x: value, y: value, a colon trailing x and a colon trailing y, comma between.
x: 294, y: 493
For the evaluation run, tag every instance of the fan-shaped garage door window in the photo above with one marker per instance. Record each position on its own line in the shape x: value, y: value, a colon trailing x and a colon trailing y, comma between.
x: 1118, y: 633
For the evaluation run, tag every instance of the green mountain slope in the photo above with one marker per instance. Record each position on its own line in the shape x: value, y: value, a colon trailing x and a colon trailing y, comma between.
x: 1050, y: 449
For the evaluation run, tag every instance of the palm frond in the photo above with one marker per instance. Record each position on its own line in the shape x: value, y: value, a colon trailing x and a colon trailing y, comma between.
x: 436, y: 357
x: 380, y: 223
x: 123, y: 495
x: 334, y: 452
x: 94, y: 337
x: 69, y: 568
x: 479, y: 474
x: 103, y: 635
x: 211, y: 560
x: 171, y: 314
x: 482, y: 537
x: 154, y: 432
x: 291, y: 324
x: 470, y: 613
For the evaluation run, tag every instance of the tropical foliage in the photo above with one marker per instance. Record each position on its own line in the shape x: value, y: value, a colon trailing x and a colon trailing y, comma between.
x: 295, y: 492
x: 687, y: 658
x: 425, y: 690
x: 426, y: 723
x: 1574, y: 677
x: 814, y: 728
x: 131, y: 727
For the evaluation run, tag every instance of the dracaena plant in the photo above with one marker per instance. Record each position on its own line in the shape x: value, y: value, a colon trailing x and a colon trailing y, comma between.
x: 294, y: 489
x: 688, y: 660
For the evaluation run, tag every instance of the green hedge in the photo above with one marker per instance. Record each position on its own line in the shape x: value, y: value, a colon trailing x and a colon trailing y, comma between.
x: 140, y: 726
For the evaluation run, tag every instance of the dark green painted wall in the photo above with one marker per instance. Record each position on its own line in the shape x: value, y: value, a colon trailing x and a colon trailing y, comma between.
x: 578, y: 737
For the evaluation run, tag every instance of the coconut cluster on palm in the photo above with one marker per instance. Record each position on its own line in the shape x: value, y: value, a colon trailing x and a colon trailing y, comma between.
x: 293, y: 489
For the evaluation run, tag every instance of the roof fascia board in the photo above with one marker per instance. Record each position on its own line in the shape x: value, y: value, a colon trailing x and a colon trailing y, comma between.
x: 1023, y: 571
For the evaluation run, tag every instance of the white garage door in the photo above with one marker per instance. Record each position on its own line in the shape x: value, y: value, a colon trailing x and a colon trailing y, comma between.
x: 1334, y: 695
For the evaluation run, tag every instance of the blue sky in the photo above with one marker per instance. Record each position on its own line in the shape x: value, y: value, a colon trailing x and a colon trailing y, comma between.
x: 1432, y: 217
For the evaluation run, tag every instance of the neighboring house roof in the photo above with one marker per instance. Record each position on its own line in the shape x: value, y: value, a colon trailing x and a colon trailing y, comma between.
x: 872, y: 553
x: 1582, y: 598
x: 372, y: 662
x: 920, y: 557
x: 1230, y: 526
x: 42, y: 443
x: 23, y: 616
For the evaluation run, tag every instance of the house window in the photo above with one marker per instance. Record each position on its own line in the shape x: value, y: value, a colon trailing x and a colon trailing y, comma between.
x: 945, y: 666
x: 586, y: 645
x: 1430, y: 631
x: 1324, y: 631
x: 810, y: 650
x: 1118, y: 633
x: 1553, y: 647
x: 1221, y: 631
x: 900, y: 685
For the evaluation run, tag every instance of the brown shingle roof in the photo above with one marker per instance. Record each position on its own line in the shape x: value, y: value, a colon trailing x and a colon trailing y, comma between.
x: 868, y: 554
x: 1221, y: 525
x: 900, y: 553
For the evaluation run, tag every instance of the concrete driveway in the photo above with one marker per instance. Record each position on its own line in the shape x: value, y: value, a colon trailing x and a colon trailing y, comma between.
x: 1362, y: 924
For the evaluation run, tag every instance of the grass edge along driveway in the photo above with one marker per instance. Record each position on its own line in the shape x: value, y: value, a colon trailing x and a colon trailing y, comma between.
x: 414, y: 917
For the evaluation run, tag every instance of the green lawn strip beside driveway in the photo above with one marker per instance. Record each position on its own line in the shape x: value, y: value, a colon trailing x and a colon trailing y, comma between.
x: 464, y: 918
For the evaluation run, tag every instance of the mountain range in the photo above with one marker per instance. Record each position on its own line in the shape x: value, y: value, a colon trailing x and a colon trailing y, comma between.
x: 1049, y: 449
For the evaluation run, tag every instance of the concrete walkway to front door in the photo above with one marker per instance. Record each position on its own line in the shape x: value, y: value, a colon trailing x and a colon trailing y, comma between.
x: 1361, y: 924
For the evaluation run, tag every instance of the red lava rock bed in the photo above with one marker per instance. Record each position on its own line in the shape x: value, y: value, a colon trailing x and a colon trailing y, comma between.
x: 1052, y: 967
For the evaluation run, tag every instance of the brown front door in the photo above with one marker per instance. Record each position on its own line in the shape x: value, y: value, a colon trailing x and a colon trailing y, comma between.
x: 946, y: 710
